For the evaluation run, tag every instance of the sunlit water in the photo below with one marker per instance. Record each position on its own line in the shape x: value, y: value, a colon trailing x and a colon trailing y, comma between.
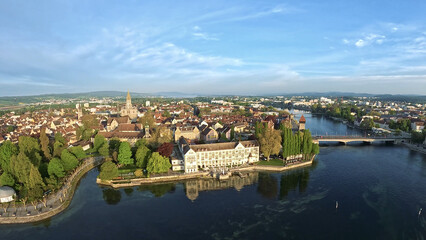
x: 380, y: 189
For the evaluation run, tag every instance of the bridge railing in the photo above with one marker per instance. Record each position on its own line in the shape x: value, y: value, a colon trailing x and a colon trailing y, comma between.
x: 356, y: 137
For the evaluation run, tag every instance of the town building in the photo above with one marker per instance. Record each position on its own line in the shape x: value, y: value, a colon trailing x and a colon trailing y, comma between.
x: 7, y: 194
x: 417, y: 126
x: 189, y: 132
x: 209, y: 135
x: 129, y: 110
x: 302, y: 122
x: 217, y: 154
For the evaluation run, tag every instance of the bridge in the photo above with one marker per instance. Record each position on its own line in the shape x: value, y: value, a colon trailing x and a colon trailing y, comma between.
x: 354, y: 138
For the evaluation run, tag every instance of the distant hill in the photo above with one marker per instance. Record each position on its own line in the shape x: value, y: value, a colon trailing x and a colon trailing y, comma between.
x: 19, y: 100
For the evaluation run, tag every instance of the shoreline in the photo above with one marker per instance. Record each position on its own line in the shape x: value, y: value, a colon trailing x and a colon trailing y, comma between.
x: 63, y: 205
x: 180, y: 177
x: 414, y: 147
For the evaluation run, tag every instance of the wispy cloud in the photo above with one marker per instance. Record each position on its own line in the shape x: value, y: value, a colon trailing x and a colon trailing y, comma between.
x: 198, y: 34
x: 259, y: 14
x: 368, y: 39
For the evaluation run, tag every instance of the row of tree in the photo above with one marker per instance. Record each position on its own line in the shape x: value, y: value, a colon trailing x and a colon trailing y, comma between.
x: 36, y: 165
x: 348, y: 112
x: 402, y: 124
x: 140, y: 156
x: 273, y: 141
x: 297, y: 143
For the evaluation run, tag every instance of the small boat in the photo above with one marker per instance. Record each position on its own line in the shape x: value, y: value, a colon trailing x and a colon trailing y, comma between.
x: 420, y: 211
x: 337, y: 204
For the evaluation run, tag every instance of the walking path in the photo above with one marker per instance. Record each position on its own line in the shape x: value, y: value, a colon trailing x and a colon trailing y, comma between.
x: 53, y: 204
x: 185, y: 176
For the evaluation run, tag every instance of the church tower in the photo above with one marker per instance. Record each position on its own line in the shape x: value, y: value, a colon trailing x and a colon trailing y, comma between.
x: 302, y: 122
x: 128, y: 101
x: 128, y: 109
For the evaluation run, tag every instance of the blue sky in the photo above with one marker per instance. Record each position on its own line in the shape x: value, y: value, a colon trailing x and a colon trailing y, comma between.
x: 213, y: 47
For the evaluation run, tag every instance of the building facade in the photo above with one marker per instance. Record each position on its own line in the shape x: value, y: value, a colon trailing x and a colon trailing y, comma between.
x: 129, y: 110
x: 189, y: 132
x: 217, y: 154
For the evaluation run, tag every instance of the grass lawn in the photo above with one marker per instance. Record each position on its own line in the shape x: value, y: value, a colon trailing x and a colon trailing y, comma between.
x: 271, y: 162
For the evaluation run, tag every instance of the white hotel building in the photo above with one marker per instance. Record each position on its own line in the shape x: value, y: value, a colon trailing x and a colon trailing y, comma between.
x: 217, y: 154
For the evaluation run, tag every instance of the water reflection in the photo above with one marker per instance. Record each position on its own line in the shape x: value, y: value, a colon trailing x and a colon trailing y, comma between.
x: 128, y: 191
x: 111, y: 196
x: 268, y: 185
x: 158, y: 190
x: 296, y: 179
x: 193, y: 187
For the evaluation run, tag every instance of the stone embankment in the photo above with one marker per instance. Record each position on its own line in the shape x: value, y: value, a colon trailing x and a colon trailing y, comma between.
x: 159, y: 179
x: 274, y: 168
x: 182, y: 176
x: 51, y: 205
x: 416, y: 147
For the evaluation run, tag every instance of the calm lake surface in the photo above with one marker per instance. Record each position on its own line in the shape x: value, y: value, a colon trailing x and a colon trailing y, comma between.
x: 380, y: 189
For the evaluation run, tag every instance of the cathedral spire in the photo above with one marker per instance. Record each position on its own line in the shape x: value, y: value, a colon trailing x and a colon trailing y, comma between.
x: 128, y: 101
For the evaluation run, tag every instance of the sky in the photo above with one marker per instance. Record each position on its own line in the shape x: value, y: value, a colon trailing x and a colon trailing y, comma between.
x: 213, y: 47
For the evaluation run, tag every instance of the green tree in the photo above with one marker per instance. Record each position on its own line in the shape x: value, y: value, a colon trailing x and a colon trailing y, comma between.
x: 142, y: 155
x: 418, y: 137
x: 259, y: 129
x: 31, y: 148
x: 60, y: 138
x: 125, y: 154
x: 141, y: 142
x: 86, y: 131
x: 114, y: 145
x: 20, y: 166
x: 104, y: 149
x: 56, y: 168
x: 166, y: 114
x: 99, y: 141
x: 307, y: 142
x: 78, y: 152
x: 59, y: 145
x: 7, y: 150
x: 44, y: 142
x: 108, y: 171
x: 6, y: 179
x: 147, y: 120
x: 315, y: 148
x: 68, y: 160
x: 158, y: 164
x: 270, y: 142
x: 43, y: 169
x: 34, y: 179
x: 367, y: 124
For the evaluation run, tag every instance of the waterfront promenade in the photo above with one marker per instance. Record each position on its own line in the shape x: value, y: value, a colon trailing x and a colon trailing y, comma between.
x: 187, y: 176
x: 54, y: 203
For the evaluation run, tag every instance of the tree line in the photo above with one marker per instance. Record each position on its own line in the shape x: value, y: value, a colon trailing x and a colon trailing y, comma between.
x: 36, y: 165
x: 272, y: 141
x: 141, y: 156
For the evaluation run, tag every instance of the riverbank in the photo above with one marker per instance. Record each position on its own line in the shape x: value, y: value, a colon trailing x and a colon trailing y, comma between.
x: 414, y: 147
x: 180, y: 177
x: 55, y: 204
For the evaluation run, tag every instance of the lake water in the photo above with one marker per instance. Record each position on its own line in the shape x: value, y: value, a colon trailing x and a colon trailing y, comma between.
x: 379, y: 188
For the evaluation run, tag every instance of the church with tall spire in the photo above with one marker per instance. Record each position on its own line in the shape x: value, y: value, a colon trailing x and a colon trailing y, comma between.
x: 129, y: 110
